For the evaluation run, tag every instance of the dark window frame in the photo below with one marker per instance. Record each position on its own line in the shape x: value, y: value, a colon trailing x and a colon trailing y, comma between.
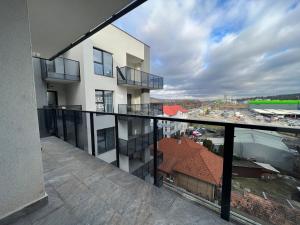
x: 102, y: 63
x: 104, y: 101
x: 105, y: 134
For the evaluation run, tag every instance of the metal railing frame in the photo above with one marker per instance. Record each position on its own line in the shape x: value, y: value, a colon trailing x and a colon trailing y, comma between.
x: 152, y: 81
x: 228, y: 145
x: 64, y: 74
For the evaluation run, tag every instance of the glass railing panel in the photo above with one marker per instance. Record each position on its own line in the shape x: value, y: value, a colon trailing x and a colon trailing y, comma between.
x: 70, y: 127
x: 266, y: 175
x: 71, y: 69
x: 139, y: 78
x: 60, y: 129
x: 190, y: 163
x: 82, y: 119
x: 144, y: 79
x: 59, y: 66
x: 46, y: 118
x: 130, y: 76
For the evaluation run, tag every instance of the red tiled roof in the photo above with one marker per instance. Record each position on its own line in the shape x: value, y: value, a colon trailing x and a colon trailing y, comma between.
x: 172, y: 110
x: 191, y: 159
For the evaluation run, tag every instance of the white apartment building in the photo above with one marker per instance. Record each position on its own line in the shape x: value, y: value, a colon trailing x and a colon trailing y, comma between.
x: 108, y: 72
x: 170, y: 128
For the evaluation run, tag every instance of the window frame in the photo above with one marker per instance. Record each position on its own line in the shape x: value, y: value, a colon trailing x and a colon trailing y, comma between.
x: 104, y: 101
x: 105, y: 134
x: 99, y: 63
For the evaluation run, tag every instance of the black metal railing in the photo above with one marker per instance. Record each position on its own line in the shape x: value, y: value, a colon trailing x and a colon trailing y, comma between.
x: 72, y: 107
x: 138, y: 143
x: 130, y: 76
x: 73, y: 126
x: 153, y: 109
x: 60, y: 69
x: 144, y: 170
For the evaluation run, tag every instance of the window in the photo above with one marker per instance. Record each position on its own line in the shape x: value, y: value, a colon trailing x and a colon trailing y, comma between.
x: 104, y: 101
x: 103, y: 63
x: 105, y: 140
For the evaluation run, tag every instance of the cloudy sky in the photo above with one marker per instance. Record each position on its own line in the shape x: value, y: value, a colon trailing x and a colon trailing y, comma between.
x: 205, y: 49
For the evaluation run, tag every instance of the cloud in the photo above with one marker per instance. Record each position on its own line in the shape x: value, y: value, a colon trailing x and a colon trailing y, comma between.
x: 206, y: 49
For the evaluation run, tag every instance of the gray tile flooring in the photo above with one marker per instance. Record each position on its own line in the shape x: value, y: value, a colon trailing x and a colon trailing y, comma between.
x: 86, y: 190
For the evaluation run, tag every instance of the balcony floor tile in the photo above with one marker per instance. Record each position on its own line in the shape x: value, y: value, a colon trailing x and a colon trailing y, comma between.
x: 83, y: 189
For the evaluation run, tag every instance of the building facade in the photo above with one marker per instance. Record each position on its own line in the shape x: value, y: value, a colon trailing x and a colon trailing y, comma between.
x: 170, y: 128
x: 108, y: 72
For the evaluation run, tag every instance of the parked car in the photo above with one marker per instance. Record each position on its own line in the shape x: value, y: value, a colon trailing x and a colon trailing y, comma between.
x: 196, y: 133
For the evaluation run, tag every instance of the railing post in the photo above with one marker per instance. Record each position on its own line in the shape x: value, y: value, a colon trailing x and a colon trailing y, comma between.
x: 134, y: 76
x: 117, y: 141
x: 227, y: 171
x: 64, y: 125
x: 155, y: 152
x: 75, y: 129
x: 92, y: 133
x: 55, y: 122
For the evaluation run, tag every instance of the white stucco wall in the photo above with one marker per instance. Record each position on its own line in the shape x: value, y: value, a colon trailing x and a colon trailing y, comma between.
x: 120, y: 44
x: 117, y: 42
x: 61, y: 92
x: 21, y: 176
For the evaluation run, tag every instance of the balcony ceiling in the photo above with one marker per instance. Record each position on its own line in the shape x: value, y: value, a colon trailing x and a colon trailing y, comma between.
x: 55, y: 24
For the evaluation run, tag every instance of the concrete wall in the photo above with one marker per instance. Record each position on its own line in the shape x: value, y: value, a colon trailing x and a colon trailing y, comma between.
x: 40, y: 84
x: 21, y: 176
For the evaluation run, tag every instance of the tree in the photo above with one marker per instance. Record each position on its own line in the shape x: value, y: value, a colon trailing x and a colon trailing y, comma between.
x: 221, y: 150
x: 208, y: 144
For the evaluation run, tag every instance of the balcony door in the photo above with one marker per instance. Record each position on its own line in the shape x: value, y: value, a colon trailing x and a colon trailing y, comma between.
x: 52, y: 98
x: 129, y: 97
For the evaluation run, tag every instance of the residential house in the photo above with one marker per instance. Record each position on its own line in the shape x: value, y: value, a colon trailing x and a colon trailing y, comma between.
x: 191, y: 166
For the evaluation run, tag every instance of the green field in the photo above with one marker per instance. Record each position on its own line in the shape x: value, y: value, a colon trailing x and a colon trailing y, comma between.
x: 288, y: 102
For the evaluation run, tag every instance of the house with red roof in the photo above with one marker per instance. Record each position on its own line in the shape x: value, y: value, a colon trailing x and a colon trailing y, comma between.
x: 170, y: 128
x: 191, y: 166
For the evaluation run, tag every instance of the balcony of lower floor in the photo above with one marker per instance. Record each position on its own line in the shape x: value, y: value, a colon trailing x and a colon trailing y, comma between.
x: 134, y: 78
x: 152, y: 109
x: 138, y: 143
x: 60, y: 70
x: 85, y: 190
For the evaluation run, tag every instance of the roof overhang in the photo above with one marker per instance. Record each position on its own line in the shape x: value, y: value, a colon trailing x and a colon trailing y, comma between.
x: 58, y: 25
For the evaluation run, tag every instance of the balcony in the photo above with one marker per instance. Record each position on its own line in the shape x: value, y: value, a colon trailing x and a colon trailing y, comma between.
x: 152, y: 109
x: 138, y: 79
x: 138, y: 143
x: 227, y: 194
x: 85, y: 190
x: 60, y: 70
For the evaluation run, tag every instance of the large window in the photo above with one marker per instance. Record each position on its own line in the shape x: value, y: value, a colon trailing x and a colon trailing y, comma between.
x: 104, y: 101
x: 103, y: 63
x: 105, y: 140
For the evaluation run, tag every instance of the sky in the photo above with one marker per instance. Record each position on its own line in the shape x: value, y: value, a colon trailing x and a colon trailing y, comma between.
x: 208, y: 49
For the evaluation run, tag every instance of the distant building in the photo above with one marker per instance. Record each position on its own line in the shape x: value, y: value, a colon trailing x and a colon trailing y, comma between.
x: 245, y: 168
x: 170, y: 128
x: 265, y: 147
x: 274, y: 104
x: 191, y: 166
